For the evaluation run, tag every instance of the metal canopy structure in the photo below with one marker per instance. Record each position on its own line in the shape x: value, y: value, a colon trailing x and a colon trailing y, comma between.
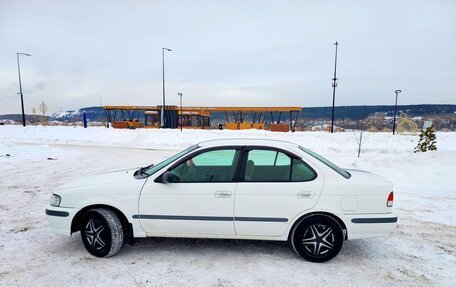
x: 199, y: 117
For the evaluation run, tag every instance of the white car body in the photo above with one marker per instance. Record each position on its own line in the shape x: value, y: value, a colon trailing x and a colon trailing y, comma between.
x: 233, y: 210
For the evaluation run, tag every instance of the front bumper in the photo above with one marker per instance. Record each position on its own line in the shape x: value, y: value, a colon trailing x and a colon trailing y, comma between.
x: 369, y: 225
x: 59, y: 219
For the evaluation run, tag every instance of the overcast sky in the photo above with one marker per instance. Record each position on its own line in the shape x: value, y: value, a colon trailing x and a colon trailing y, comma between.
x: 234, y: 53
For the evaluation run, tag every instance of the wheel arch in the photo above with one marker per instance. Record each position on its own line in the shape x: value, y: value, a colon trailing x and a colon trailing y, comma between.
x: 126, y: 225
x: 332, y: 215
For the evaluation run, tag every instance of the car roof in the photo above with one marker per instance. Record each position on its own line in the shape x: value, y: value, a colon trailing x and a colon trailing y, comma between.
x: 247, y: 141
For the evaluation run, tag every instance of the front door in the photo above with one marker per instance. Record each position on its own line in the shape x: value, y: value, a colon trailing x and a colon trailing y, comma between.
x: 275, y: 187
x: 199, y: 201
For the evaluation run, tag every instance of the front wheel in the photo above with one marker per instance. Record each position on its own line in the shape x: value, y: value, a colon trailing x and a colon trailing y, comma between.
x: 101, y: 232
x: 317, y: 238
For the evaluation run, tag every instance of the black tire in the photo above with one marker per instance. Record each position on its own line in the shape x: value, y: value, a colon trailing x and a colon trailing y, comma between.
x: 101, y: 232
x: 317, y: 237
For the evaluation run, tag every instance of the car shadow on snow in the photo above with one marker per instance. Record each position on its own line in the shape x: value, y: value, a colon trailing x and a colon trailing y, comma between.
x: 188, y: 247
x: 227, y: 247
x: 237, y: 248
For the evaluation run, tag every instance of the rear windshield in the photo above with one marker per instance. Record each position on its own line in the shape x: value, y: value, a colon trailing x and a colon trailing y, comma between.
x: 337, y: 169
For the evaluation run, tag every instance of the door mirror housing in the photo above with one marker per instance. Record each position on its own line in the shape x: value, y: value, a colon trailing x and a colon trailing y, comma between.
x: 169, y: 177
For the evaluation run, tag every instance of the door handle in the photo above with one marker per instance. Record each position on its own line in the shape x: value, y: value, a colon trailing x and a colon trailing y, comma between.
x: 305, y: 194
x: 223, y: 194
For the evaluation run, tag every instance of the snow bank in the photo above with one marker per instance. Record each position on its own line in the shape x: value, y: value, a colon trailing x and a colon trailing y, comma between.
x: 175, y: 139
x: 35, y: 160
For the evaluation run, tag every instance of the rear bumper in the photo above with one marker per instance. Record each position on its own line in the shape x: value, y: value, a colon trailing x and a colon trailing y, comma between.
x: 59, y: 219
x: 369, y: 225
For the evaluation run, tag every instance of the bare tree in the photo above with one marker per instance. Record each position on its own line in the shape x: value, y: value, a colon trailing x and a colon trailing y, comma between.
x: 34, y: 116
x: 360, y: 141
x: 43, y: 109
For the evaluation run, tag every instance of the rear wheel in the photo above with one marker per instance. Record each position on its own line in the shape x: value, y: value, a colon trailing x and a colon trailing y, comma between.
x: 101, y: 232
x: 317, y: 238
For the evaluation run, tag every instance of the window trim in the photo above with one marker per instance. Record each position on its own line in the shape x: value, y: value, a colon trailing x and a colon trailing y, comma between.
x: 197, y: 152
x: 292, y: 155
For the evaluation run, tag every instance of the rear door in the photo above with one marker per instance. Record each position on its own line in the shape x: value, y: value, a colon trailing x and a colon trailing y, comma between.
x: 274, y: 187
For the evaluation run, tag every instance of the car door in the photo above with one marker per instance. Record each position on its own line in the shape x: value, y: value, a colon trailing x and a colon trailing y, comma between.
x: 274, y: 187
x: 199, y: 201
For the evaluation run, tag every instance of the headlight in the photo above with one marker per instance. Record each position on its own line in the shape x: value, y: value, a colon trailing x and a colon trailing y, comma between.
x: 55, y: 200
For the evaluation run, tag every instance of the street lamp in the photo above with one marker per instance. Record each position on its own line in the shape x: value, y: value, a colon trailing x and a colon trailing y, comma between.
x: 181, y: 112
x: 334, y: 85
x: 20, y: 85
x: 395, y: 109
x: 162, y: 118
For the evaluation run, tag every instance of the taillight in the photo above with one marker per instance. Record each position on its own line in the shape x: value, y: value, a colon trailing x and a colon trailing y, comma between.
x: 390, y: 200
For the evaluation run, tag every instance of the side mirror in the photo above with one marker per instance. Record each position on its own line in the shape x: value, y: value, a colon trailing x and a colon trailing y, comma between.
x: 169, y: 177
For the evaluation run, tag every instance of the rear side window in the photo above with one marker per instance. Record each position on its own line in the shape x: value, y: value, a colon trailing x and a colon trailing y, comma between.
x: 275, y: 166
x: 300, y: 171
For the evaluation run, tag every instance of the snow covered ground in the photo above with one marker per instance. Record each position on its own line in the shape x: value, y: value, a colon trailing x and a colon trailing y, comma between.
x: 35, y: 160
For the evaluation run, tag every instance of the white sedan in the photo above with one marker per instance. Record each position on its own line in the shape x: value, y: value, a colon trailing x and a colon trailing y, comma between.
x: 235, y: 189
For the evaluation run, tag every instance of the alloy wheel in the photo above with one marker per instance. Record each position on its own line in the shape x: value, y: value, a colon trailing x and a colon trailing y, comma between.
x: 318, y: 239
x: 95, y: 235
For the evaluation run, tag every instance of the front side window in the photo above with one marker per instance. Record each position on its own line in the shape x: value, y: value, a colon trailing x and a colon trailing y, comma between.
x: 275, y: 166
x: 154, y: 168
x: 209, y: 166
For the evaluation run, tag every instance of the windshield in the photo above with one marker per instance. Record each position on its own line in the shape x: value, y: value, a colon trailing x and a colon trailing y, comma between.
x: 153, y: 169
x: 337, y: 169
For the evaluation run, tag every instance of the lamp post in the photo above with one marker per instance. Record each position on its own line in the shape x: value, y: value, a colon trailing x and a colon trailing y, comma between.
x: 334, y: 85
x: 181, y: 111
x: 162, y: 118
x: 20, y: 85
x: 395, y: 110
